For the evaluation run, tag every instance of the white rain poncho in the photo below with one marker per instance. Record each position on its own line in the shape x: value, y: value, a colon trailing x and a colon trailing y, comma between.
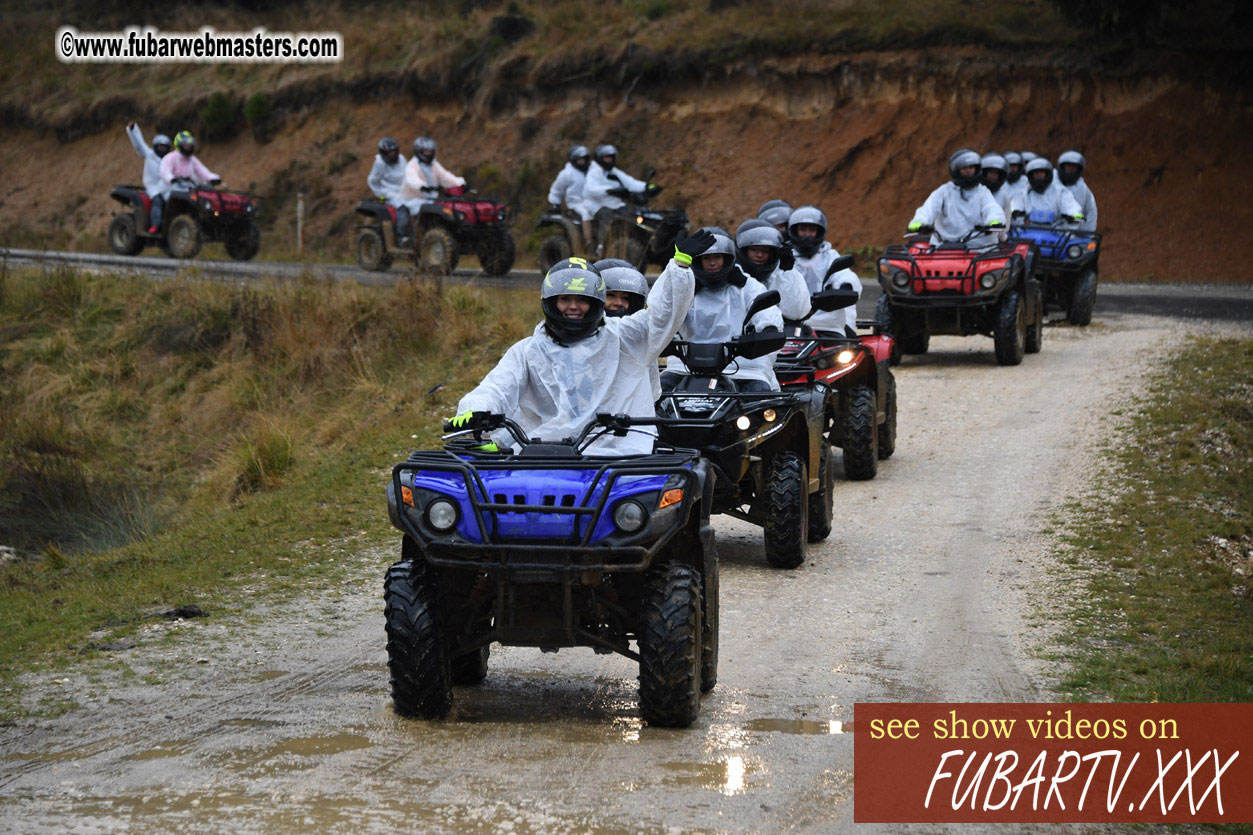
x: 553, y: 391
x: 1055, y: 199
x: 568, y: 186
x: 814, y: 268
x: 955, y: 212
x: 718, y: 316
x: 793, y: 291
x: 598, y: 183
x: 790, y: 284
x: 1087, y: 204
x: 153, y: 184
x: 385, y: 180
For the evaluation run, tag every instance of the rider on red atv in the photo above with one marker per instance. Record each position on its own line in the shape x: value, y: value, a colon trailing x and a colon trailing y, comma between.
x: 956, y: 208
x: 185, y: 165
x: 153, y: 185
x: 424, y: 176
x: 386, y: 180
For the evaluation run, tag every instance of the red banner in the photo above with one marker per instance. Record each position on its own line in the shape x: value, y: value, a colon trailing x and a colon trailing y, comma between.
x: 1055, y: 763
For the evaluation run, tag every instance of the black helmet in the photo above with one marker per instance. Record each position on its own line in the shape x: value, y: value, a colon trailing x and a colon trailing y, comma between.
x: 758, y: 232
x: 729, y: 274
x: 1069, y: 178
x: 621, y: 276
x: 1042, y: 183
x: 994, y: 172
x: 963, y: 159
x: 579, y: 157
x: 424, y: 149
x: 389, y: 149
x: 185, y: 143
x: 572, y: 277
x: 807, y: 214
x: 161, y: 144
x: 603, y: 152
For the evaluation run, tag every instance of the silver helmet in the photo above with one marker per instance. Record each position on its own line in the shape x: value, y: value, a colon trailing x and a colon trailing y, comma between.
x: 424, y: 148
x: 603, y: 151
x: 964, y: 158
x: 161, y: 141
x: 1040, y: 184
x: 758, y: 232
x: 1013, y: 160
x: 580, y: 157
x: 622, y: 277
x: 572, y: 277
x: 722, y: 245
x: 807, y: 214
x: 1068, y: 178
x: 994, y: 171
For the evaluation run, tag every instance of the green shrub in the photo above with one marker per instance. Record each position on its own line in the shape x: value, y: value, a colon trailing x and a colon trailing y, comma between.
x: 219, y: 118
x: 260, y: 119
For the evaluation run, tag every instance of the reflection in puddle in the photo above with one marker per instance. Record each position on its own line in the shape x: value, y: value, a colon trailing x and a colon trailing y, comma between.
x: 317, y: 746
x: 290, y: 755
x: 250, y: 723
x: 174, y: 748
x: 795, y: 726
x: 726, y: 776
x: 268, y: 675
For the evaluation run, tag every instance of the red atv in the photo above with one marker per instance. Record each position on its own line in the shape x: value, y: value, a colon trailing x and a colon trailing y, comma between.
x: 948, y: 288
x: 450, y: 225
x: 861, y: 411
x: 193, y: 215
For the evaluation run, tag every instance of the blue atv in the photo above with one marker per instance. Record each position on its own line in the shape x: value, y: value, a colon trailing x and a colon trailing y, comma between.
x: 549, y: 547
x: 1066, y: 264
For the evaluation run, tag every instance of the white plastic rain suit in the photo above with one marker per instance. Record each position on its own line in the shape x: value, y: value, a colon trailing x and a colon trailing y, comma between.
x: 153, y: 184
x: 1055, y: 199
x: 1083, y: 196
x: 955, y: 211
x: 599, y: 182
x: 814, y: 268
x: 793, y: 291
x: 386, y: 180
x: 569, y: 187
x: 553, y: 391
x: 718, y: 316
x: 421, y: 180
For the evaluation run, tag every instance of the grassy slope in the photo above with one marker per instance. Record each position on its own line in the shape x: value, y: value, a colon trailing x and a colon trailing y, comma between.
x: 177, y: 441
x: 434, y: 41
x: 1163, y: 552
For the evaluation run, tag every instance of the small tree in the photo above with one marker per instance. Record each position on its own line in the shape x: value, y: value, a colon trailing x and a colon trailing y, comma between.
x: 219, y: 117
x: 257, y: 112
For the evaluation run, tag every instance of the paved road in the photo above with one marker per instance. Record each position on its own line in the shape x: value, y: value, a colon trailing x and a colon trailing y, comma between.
x: 1214, y: 302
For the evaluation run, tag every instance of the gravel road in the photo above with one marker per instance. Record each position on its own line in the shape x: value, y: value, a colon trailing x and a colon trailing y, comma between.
x: 927, y: 590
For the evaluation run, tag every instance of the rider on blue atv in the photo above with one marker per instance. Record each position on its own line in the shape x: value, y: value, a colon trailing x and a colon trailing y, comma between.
x: 578, y: 364
x: 1070, y: 168
x: 1045, y: 195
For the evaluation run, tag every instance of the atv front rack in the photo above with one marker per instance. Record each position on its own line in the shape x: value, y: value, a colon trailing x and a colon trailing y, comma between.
x: 551, y: 560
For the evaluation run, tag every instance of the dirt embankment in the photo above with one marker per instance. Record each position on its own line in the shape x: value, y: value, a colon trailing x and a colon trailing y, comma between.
x: 863, y: 135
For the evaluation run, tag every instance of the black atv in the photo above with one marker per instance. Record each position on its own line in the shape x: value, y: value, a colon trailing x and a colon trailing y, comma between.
x: 640, y: 235
x: 768, y: 450
x: 551, y: 548
x: 565, y: 232
x: 855, y: 368
x: 194, y: 214
x: 446, y: 227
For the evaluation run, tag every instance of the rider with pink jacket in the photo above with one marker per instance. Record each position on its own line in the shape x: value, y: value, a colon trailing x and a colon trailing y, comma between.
x: 424, y: 176
x: 184, y: 164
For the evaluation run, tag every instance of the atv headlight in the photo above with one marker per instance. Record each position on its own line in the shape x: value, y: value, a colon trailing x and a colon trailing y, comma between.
x: 900, y: 278
x: 988, y: 280
x: 629, y: 516
x: 742, y: 423
x: 441, y: 515
x: 204, y: 203
x: 1074, y: 251
x: 844, y: 357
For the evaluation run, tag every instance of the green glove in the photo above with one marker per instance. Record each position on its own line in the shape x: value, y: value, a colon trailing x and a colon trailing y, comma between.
x: 490, y: 446
x: 996, y: 224
x: 381, y: 198
x: 915, y: 225
x: 1077, y: 217
x: 461, y: 419
x: 685, y: 249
